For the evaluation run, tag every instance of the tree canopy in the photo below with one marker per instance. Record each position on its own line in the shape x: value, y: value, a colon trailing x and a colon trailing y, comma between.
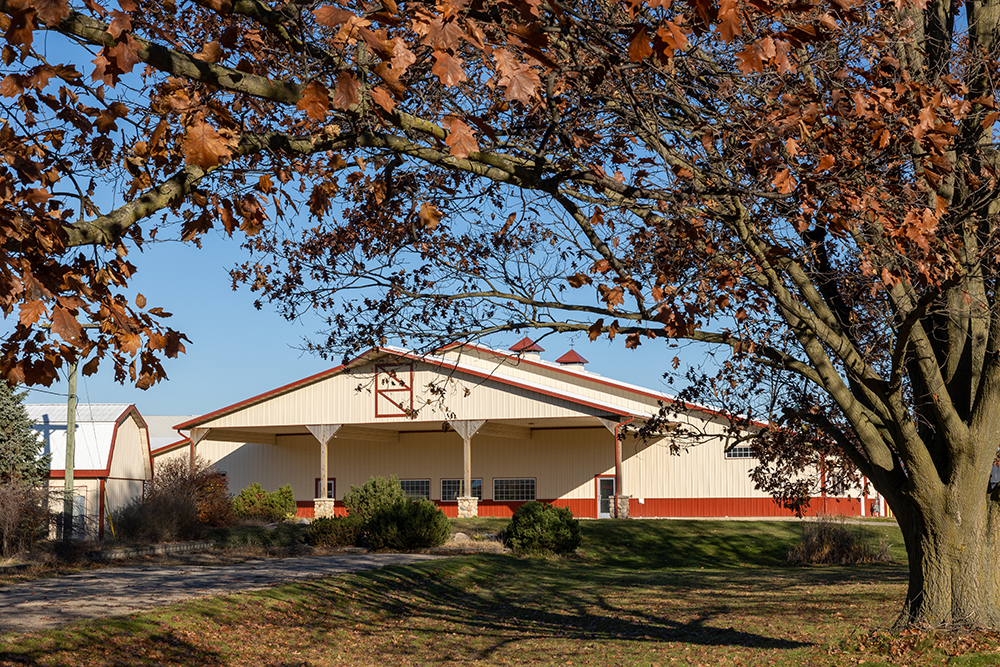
x: 812, y: 185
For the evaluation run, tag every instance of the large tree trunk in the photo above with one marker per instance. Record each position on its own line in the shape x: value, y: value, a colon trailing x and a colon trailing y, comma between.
x: 954, y: 559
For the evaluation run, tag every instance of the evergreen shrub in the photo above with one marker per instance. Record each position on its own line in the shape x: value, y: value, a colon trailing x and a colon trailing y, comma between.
x: 254, y: 502
x: 406, y: 526
x: 374, y: 495
x: 539, y: 528
x: 340, y: 531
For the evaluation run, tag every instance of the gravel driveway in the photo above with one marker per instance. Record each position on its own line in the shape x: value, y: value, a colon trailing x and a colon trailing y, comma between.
x: 42, y: 604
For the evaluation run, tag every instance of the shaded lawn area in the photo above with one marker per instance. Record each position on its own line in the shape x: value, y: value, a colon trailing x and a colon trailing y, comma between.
x: 601, y: 607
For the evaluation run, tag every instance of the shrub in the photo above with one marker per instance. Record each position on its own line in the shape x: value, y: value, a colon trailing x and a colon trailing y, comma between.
x: 405, y: 526
x: 24, y: 515
x: 375, y: 494
x: 215, y: 507
x: 341, y: 531
x: 540, y: 528
x: 256, y: 503
x: 181, y: 502
x: 159, y: 517
x: 830, y: 542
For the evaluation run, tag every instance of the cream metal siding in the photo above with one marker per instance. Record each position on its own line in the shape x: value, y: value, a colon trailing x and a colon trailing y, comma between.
x: 563, y: 462
x: 349, y: 398
x: 293, y: 460
x: 130, y: 456
x: 118, y: 493
x: 178, y: 454
x: 88, y: 488
x: 649, y: 470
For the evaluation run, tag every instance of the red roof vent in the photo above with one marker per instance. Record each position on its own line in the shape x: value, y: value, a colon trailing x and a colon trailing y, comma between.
x: 526, y: 345
x: 571, y: 357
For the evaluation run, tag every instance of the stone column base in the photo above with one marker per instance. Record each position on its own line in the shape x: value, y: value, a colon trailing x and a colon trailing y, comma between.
x: 622, y: 506
x: 468, y: 507
x: 323, y: 507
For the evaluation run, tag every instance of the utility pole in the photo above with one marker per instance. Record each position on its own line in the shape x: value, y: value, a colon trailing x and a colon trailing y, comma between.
x: 68, y: 500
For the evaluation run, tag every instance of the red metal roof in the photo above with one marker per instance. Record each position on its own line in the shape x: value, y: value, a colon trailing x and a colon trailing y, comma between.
x: 526, y: 345
x: 571, y: 357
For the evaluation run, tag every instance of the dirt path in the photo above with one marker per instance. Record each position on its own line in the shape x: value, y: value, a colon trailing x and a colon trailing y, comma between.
x: 43, y: 604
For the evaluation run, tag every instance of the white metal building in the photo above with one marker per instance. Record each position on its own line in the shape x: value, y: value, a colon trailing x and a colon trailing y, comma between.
x: 112, y: 461
x: 507, y: 426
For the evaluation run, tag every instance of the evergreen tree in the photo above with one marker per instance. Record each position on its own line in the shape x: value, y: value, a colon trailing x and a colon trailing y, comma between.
x: 20, y: 445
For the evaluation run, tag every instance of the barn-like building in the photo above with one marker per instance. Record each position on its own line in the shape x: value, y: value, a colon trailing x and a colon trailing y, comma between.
x: 112, y: 462
x: 479, y: 432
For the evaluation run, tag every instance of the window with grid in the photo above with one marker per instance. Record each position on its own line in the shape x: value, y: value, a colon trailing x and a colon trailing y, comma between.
x: 450, y: 489
x: 514, y: 489
x: 741, y: 452
x: 415, y: 489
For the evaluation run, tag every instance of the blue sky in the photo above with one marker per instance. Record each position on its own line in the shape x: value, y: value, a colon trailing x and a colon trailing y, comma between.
x: 237, y: 351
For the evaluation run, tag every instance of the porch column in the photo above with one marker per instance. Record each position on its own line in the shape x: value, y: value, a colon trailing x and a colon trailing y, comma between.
x: 196, y: 435
x: 468, y: 504
x: 324, y: 433
x: 621, y: 508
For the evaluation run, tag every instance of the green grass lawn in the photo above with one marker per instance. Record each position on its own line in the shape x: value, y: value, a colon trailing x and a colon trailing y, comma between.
x: 637, y: 593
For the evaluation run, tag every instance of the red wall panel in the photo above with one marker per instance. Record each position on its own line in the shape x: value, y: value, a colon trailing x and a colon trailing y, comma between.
x: 653, y: 507
x: 721, y: 507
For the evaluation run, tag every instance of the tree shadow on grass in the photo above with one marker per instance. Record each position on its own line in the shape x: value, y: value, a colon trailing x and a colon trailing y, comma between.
x: 123, y: 641
x: 501, y: 601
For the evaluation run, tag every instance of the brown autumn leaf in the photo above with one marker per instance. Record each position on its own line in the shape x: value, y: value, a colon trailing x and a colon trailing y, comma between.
x: 211, y: 52
x: 225, y: 211
x: 579, y: 280
x: 120, y: 23
x: 825, y: 164
x: 448, y: 68
x: 90, y: 367
x: 31, y: 312
x: 594, y: 332
x: 729, y: 20
x: 429, y: 215
x: 65, y: 324
x: 638, y: 45
x: 402, y: 56
x: 221, y: 6
x: 126, y: 54
x: 203, y: 145
x: 21, y: 31
x: 331, y: 16
x: 461, y: 139
x: 265, y: 184
x: 11, y: 86
x: 347, y: 91
x: 521, y: 84
x: 784, y: 181
x: 315, y: 100
x: 52, y: 12
x: 140, y: 300
x: 383, y: 99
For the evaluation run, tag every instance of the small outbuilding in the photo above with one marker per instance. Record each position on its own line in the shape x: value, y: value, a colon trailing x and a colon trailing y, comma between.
x: 112, y: 462
x: 479, y: 432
